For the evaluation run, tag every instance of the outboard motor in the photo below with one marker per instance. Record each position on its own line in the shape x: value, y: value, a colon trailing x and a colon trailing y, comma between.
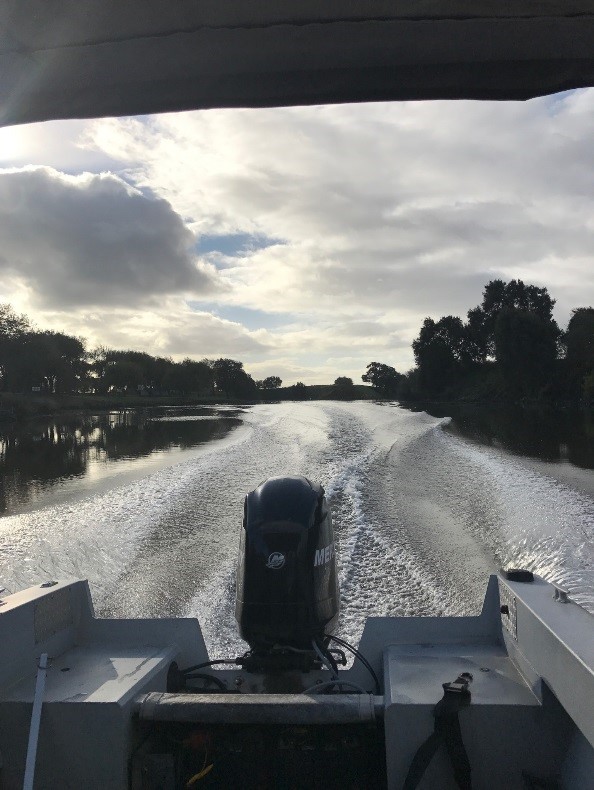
x: 287, y: 587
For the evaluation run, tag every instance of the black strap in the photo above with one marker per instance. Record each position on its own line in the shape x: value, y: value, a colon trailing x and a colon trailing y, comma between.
x: 456, y: 696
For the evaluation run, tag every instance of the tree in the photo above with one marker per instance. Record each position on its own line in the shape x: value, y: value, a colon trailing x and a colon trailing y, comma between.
x: 579, y: 344
x: 441, y: 352
x: 384, y: 378
x: 270, y: 383
x: 526, y: 349
x: 231, y: 380
x: 343, y: 388
x: 449, y: 349
x: 13, y: 329
x: 63, y: 365
x: 97, y: 368
x: 142, y: 370
x: 53, y: 361
x: 25, y: 367
x: 11, y: 324
x: 157, y: 371
x: 588, y: 389
x: 497, y: 296
x: 123, y: 374
x: 124, y: 370
x: 410, y: 385
x: 190, y: 376
x: 299, y: 391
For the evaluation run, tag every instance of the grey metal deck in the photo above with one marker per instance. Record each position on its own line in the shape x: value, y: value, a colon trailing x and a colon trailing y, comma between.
x: 531, y: 709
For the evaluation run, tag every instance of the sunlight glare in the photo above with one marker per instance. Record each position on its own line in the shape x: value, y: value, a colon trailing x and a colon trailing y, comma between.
x: 11, y: 144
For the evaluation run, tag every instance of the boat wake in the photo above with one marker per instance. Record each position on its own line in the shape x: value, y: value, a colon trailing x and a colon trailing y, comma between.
x: 421, y: 518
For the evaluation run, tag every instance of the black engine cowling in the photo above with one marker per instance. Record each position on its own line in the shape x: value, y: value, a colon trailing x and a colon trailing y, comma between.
x: 287, y: 586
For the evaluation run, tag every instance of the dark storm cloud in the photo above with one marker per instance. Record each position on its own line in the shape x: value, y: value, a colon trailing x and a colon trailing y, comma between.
x: 93, y: 240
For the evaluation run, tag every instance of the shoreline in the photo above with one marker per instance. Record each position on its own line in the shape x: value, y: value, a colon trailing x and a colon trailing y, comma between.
x: 18, y: 407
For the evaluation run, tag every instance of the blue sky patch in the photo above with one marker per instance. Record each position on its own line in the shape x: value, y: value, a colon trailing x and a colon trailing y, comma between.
x: 233, y: 244
x: 555, y: 102
x: 246, y: 316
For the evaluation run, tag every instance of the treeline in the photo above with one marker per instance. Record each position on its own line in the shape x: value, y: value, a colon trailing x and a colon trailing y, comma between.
x: 54, y: 363
x: 509, y: 347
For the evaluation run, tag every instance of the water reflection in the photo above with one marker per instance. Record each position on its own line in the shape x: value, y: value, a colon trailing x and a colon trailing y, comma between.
x: 547, y: 434
x: 42, y: 454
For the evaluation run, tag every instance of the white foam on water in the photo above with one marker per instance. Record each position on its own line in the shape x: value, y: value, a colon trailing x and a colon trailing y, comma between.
x: 92, y: 538
x: 95, y: 537
x: 545, y: 525
x: 421, y: 517
x: 377, y: 576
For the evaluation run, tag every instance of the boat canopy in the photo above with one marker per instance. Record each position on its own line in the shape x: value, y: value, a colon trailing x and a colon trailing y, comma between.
x: 92, y: 58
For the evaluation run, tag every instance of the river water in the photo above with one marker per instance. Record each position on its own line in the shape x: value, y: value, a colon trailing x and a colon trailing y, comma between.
x: 148, y: 507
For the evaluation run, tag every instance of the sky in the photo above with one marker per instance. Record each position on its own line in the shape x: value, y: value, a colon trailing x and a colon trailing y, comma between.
x: 305, y: 242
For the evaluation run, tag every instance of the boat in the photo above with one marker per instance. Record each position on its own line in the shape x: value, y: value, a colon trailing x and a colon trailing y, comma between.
x: 504, y: 699
x: 501, y: 699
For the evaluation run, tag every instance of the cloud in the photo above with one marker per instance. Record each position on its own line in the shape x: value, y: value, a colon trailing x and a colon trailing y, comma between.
x: 319, y: 233
x: 186, y: 334
x: 55, y: 144
x: 171, y: 329
x: 410, y: 206
x: 93, y: 240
